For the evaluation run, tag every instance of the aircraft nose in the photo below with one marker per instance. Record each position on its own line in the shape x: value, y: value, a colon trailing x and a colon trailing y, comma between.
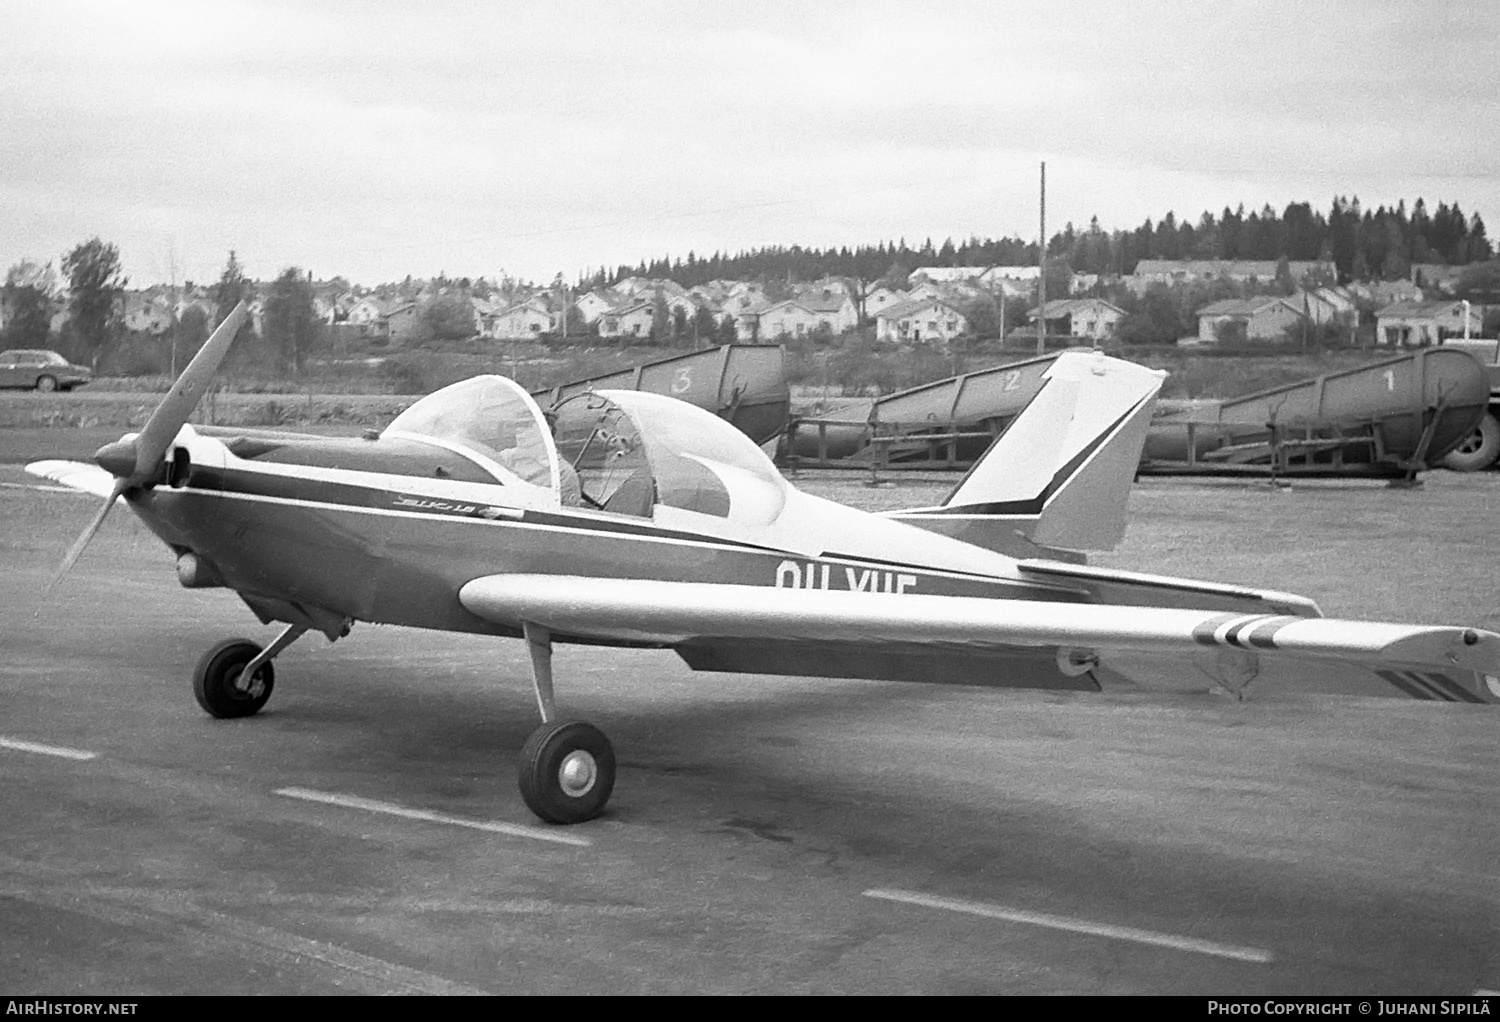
x: 117, y: 458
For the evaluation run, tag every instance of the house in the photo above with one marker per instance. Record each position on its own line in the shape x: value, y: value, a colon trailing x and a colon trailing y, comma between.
x: 366, y: 317
x: 797, y: 317
x: 745, y: 309
x: 1381, y: 293
x: 945, y: 274
x: 1327, y: 305
x: 1262, y: 319
x: 522, y: 321
x: 1013, y: 281
x: 882, y: 298
x: 146, y: 313
x: 922, y: 320
x: 401, y: 322
x: 1092, y: 319
x: 1416, y: 324
x: 630, y: 319
x: 1149, y: 272
x: 594, y: 304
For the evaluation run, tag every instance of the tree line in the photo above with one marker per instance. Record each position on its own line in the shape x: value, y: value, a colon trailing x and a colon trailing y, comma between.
x: 94, y: 329
x: 1364, y: 244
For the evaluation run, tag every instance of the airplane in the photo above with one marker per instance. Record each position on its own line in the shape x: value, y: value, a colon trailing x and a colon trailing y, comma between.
x: 631, y: 519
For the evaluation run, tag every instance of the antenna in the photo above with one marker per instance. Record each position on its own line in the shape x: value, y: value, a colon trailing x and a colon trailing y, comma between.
x: 1041, y: 276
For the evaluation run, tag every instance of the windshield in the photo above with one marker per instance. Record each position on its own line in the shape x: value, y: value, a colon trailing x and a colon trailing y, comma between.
x: 490, y: 416
x: 633, y: 450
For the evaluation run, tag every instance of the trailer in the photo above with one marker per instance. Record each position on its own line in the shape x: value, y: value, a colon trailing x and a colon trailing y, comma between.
x: 944, y: 424
x: 1481, y: 448
x: 744, y: 384
x: 1391, y: 418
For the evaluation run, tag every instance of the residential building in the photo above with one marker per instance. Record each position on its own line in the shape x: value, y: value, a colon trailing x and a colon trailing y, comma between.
x: 593, y: 304
x: 522, y: 321
x: 147, y: 313
x: 1091, y: 319
x: 1416, y: 324
x: 1149, y: 272
x: 1381, y: 293
x: 929, y: 320
x: 629, y: 319
x: 402, y: 321
x: 882, y: 298
x: 1266, y: 318
x: 796, y: 317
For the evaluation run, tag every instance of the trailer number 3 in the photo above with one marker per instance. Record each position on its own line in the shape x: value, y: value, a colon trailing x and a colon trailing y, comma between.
x: 684, y: 379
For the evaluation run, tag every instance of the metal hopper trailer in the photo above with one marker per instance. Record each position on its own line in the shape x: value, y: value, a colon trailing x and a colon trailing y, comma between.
x: 945, y: 424
x: 1390, y: 418
x: 744, y: 384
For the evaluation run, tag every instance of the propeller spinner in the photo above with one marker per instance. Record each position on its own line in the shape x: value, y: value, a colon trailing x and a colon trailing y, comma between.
x: 135, y: 460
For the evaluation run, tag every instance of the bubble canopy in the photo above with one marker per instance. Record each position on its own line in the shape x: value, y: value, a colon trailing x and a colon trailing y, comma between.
x: 635, y: 451
x: 493, y: 421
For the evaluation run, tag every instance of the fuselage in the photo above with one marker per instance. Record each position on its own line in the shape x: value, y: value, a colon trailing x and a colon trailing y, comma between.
x: 394, y: 539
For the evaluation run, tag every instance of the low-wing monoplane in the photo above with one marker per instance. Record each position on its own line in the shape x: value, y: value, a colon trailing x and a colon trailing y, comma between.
x: 625, y: 518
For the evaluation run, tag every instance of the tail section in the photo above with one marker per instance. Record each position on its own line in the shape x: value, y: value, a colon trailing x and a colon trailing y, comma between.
x: 1060, y: 475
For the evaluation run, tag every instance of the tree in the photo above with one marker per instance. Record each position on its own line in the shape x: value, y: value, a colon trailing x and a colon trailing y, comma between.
x: 95, y: 285
x: 289, y: 324
x: 660, y: 318
x: 233, y: 287
x: 27, y: 297
x: 449, y: 317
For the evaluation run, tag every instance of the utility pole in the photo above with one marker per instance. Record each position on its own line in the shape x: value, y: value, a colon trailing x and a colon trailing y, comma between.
x: 1041, y: 277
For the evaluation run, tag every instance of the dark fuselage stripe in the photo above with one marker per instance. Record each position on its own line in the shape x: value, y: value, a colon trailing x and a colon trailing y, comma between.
x: 319, y: 491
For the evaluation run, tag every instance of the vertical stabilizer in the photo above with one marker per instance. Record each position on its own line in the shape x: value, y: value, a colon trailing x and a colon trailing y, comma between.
x: 1060, y: 475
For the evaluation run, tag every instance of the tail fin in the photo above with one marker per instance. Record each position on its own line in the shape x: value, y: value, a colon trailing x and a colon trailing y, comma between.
x: 1060, y: 475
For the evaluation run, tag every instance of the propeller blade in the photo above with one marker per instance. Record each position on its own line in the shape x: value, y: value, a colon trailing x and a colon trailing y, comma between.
x: 121, y: 485
x: 173, y: 412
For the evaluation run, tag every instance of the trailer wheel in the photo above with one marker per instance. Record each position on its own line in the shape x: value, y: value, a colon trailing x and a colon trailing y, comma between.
x: 1479, y: 449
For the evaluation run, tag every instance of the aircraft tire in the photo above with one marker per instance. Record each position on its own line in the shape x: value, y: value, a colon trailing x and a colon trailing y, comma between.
x: 567, y: 771
x: 215, y: 677
x: 1479, y: 450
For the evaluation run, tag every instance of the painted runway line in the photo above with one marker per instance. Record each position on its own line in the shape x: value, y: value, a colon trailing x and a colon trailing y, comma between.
x: 979, y: 908
x: 391, y: 809
x: 46, y: 750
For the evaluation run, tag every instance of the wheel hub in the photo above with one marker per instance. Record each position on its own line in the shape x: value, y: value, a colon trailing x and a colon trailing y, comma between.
x: 248, y: 685
x: 577, y: 773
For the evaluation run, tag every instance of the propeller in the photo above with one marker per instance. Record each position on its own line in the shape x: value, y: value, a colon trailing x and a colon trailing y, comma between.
x: 135, y: 460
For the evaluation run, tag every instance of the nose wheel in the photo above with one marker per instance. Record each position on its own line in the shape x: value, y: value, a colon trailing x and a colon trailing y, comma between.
x: 567, y: 768
x: 235, y: 678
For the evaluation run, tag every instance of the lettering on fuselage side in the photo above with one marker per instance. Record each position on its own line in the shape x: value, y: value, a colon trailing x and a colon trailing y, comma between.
x: 811, y: 575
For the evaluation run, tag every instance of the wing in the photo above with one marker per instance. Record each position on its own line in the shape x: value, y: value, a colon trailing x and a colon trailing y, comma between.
x: 78, y: 475
x: 703, y: 615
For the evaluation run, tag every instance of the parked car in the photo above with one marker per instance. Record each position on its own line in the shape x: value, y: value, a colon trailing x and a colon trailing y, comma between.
x: 40, y: 370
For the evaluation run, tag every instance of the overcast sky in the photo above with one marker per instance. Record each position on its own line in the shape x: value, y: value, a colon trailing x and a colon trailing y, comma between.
x: 374, y: 140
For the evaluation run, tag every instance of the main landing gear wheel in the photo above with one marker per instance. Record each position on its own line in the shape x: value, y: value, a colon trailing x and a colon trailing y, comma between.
x: 567, y: 771
x: 219, y: 683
